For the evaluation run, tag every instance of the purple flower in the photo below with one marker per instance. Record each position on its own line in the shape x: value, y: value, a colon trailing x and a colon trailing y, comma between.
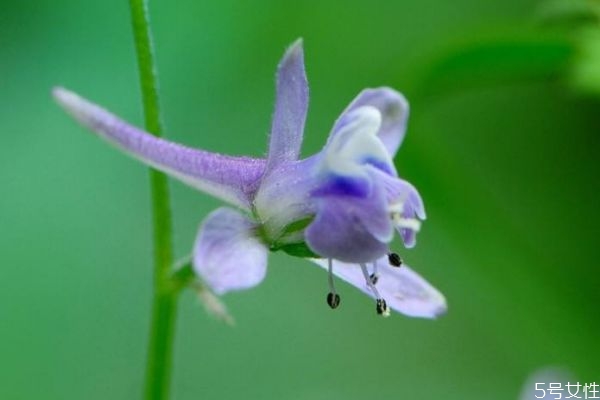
x: 339, y: 208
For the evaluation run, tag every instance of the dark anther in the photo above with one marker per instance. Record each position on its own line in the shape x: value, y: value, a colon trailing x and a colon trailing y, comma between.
x: 374, y: 278
x: 394, y: 260
x: 333, y: 300
x: 382, y: 308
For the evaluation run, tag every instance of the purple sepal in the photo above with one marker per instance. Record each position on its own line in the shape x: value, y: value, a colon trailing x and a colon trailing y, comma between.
x: 233, y: 179
x: 227, y: 254
x: 291, y: 106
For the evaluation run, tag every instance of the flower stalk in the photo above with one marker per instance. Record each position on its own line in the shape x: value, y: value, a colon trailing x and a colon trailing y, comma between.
x: 164, y: 303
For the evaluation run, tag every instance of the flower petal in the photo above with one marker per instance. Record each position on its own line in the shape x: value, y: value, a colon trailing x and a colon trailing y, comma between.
x: 350, y: 228
x: 413, y: 209
x: 394, y: 110
x: 400, y: 191
x: 291, y: 106
x: 404, y: 290
x: 406, y: 200
x: 227, y: 254
x: 355, y: 144
x: 233, y: 179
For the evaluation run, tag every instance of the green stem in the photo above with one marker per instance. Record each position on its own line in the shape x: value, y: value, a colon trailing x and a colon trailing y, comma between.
x: 164, y: 304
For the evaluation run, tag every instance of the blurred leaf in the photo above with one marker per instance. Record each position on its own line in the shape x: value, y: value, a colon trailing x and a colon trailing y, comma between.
x: 586, y: 66
x: 569, y: 13
x: 494, y: 61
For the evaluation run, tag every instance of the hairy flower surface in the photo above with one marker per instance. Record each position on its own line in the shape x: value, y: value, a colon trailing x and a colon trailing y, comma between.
x: 339, y: 208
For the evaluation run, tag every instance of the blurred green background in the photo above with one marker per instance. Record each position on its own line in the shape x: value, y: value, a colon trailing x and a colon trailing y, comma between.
x: 503, y: 144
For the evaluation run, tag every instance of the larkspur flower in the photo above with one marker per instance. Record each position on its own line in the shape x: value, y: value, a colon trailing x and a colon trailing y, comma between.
x: 338, y: 208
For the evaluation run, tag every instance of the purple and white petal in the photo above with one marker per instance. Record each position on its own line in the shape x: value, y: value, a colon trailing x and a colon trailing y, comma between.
x: 408, y: 220
x: 399, y: 191
x: 394, y: 110
x: 408, y: 227
x: 356, y: 145
x: 404, y: 290
x: 352, y: 221
x: 233, y: 179
x: 227, y: 255
x: 405, y: 205
x: 291, y: 106
x: 350, y: 228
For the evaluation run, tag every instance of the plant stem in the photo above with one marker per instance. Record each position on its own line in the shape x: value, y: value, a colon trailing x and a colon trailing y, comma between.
x: 164, y: 303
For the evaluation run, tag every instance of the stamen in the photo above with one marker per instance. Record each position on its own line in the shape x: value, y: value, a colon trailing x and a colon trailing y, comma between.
x: 382, y: 308
x: 363, y: 268
x: 374, y: 275
x: 396, y: 208
x: 333, y: 299
x: 406, y: 223
x: 374, y: 278
x: 380, y: 304
x: 395, y: 260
